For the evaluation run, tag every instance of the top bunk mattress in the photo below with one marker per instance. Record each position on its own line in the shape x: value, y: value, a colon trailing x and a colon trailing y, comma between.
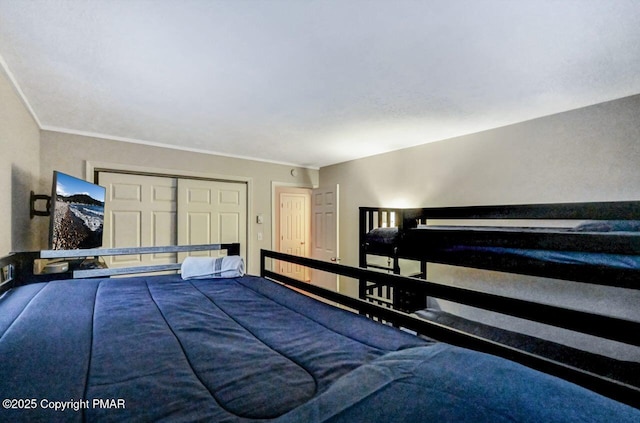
x: 247, y: 349
x: 602, y: 244
x: 613, y: 244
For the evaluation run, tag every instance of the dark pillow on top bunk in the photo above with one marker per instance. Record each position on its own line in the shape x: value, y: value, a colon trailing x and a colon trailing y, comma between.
x: 382, y: 235
x: 609, y: 226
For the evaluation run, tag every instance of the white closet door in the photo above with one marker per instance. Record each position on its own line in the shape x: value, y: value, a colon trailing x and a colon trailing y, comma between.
x: 211, y: 212
x: 140, y: 211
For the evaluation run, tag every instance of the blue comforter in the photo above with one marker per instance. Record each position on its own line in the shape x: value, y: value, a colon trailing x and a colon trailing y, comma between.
x: 247, y: 349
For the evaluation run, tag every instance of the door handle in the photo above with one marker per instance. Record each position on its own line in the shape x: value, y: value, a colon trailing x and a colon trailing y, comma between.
x: 334, y: 259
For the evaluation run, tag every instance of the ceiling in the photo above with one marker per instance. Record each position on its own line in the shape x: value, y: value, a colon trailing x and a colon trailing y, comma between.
x: 312, y: 83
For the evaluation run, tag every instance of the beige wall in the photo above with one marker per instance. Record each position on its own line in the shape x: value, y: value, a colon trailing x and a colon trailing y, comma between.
x: 70, y: 153
x: 19, y: 171
x: 590, y: 154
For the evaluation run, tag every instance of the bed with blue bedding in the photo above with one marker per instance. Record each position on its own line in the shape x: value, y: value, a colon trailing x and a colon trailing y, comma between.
x: 161, y: 348
x: 247, y: 349
x: 213, y: 349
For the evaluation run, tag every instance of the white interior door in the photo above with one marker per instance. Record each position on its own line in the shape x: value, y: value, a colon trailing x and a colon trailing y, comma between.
x: 212, y: 212
x: 140, y: 211
x: 293, y: 230
x: 324, y: 222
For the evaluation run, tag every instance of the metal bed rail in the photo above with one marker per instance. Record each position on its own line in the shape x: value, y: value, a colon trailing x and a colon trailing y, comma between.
x: 617, y: 329
x: 232, y: 249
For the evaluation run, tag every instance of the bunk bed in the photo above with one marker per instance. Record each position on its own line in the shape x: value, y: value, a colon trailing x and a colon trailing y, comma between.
x: 594, y: 243
x: 246, y: 348
x: 599, y: 242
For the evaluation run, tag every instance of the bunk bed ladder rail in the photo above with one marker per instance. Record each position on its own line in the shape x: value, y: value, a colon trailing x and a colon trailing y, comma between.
x: 371, y: 218
x: 395, y: 297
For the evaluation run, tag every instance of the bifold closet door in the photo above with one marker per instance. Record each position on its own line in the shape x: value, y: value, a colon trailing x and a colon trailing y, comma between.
x: 212, y: 212
x: 140, y: 211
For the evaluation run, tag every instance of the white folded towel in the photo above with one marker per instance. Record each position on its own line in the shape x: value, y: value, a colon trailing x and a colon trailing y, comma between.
x: 210, y: 267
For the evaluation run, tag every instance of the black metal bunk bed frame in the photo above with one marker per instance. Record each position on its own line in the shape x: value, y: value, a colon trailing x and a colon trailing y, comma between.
x: 429, y: 245
x: 439, y: 244
x: 617, y: 329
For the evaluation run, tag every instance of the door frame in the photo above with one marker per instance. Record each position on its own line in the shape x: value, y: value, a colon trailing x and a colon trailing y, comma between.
x: 92, y: 168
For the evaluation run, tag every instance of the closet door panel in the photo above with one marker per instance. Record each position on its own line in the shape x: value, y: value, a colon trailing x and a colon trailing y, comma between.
x: 212, y: 212
x: 140, y: 211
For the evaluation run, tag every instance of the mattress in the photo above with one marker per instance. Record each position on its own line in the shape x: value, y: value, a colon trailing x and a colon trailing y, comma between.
x: 389, y: 241
x: 382, y: 241
x: 615, y: 261
x: 247, y: 349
